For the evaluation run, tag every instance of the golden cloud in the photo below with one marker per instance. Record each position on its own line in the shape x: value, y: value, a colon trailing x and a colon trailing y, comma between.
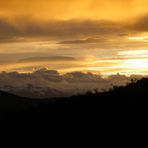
x: 65, y: 9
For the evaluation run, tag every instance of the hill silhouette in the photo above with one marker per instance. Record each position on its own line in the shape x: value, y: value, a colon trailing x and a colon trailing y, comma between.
x: 121, y: 107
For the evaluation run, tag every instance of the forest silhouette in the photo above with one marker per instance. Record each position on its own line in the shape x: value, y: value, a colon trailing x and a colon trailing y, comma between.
x: 120, y: 107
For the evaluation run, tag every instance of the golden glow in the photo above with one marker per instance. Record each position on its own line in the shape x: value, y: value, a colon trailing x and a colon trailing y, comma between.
x: 108, y: 36
x: 136, y: 64
x: 70, y: 9
x: 134, y: 53
x: 139, y: 38
x: 106, y: 67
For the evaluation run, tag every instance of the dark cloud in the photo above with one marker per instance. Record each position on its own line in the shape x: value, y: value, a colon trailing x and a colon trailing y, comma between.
x: 69, y: 32
x: 58, y: 30
x: 70, y: 83
x: 84, y: 41
x: 72, y: 35
x: 140, y: 24
x: 44, y: 59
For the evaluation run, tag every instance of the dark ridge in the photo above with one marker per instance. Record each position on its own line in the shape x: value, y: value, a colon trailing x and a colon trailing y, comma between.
x: 121, y: 107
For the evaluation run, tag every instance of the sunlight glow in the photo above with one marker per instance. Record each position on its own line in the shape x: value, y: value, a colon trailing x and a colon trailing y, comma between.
x: 136, y: 64
x: 133, y: 53
x: 138, y: 38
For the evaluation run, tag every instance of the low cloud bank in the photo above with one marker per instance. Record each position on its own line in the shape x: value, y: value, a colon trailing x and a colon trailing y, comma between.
x: 62, y: 85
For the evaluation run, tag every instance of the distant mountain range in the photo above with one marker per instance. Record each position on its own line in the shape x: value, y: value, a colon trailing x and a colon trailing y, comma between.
x: 121, y: 107
x: 35, y: 92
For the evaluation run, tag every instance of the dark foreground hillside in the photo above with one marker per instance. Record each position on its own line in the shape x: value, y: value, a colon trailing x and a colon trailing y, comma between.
x: 123, y: 107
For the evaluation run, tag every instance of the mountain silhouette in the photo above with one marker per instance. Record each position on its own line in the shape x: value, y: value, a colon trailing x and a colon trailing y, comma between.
x: 121, y: 107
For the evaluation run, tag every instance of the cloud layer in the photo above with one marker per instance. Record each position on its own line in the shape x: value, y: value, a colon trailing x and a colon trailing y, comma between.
x: 68, y: 84
x: 65, y: 9
x: 37, y: 33
x: 71, y: 31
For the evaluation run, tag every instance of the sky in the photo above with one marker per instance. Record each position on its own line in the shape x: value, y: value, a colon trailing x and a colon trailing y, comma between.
x: 98, y: 36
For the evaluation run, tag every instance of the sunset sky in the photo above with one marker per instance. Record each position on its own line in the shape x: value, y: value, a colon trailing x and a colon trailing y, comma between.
x: 100, y: 36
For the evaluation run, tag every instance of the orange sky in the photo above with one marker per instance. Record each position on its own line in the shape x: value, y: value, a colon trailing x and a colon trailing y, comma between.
x: 74, y: 35
x: 65, y: 9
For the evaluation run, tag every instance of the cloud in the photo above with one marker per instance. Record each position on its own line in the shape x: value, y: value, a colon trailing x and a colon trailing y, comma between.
x: 66, y: 10
x: 85, y: 31
x: 140, y: 24
x: 69, y: 83
x: 70, y: 31
x: 83, y: 41
x: 58, y: 33
x: 48, y: 59
x: 36, y: 62
x: 76, y: 32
